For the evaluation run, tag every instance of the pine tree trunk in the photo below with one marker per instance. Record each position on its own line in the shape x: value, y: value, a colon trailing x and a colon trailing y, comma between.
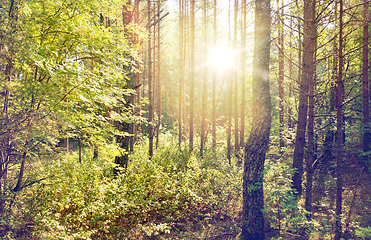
x: 229, y: 93
x: 243, y: 69
x: 204, y: 81
x: 339, y: 133
x: 214, y: 83
x: 192, y: 89
x: 310, y: 153
x: 180, y: 71
x: 281, y: 69
x: 150, y: 87
x: 306, y: 78
x: 366, y: 111
x: 289, y: 121
x: 257, y: 143
x: 158, y: 78
x: 235, y: 77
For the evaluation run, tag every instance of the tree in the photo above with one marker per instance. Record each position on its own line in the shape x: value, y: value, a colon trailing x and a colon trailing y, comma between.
x: 229, y: 92
x: 257, y: 143
x: 192, y: 88
x: 213, y: 117
x: 365, y: 81
x: 306, y: 79
x: 243, y: 69
x: 150, y: 83
x: 181, y: 71
x: 281, y: 73
x: 59, y: 62
x: 339, y: 132
x: 235, y: 77
x: 204, y: 80
x: 159, y: 86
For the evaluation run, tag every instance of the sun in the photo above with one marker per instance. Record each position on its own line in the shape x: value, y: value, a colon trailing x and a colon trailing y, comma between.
x: 222, y: 58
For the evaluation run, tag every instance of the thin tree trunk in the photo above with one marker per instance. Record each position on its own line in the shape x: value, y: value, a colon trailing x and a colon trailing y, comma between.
x: 137, y: 75
x: 158, y: 78
x: 306, y: 78
x: 180, y: 70
x: 339, y: 132
x: 243, y: 69
x: 281, y: 73
x: 229, y: 93
x: 257, y: 143
x: 154, y: 68
x: 150, y: 88
x: 289, y: 121
x: 145, y: 51
x: 214, y: 83
x: 366, y: 111
x: 310, y: 153
x: 80, y: 149
x: 184, y: 37
x: 192, y: 89
x: 204, y: 81
x: 21, y: 172
x: 236, y: 133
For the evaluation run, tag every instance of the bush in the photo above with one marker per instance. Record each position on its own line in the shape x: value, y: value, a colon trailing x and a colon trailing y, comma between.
x: 174, y: 192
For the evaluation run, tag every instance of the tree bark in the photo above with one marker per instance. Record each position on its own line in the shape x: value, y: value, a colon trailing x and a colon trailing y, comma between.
x: 229, y: 92
x: 214, y: 84
x: 289, y: 121
x: 243, y: 69
x: 310, y: 153
x: 257, y: 143
x: 366, y: 111
x: 281, y: 73
x: 306, y: 78
x: 158, y: 78
x: 150, y: 88
x: 339, y: 132
x: 204, y: 82
x: 235, y: 76
x: 181, y: 74
x: 192, y: 76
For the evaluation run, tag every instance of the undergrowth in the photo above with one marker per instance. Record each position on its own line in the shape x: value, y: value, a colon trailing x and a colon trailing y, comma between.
x: 173, y: 194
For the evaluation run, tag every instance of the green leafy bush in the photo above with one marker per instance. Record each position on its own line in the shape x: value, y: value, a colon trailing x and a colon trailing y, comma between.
x: 173, y: 193
x: 281, y: 209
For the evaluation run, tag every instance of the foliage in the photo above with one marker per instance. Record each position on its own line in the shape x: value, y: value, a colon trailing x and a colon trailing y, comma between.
x: 174, y: 193
x: 364, y: 232
x: 63, y: 71
x: 282, y: 210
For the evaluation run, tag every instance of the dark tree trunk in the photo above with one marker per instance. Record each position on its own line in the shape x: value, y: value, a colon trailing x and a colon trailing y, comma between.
x: 306, y: 78
x: 366, y: 111
x: 281, y: 73
x: 310, y: 153
x: 158, y: 77
x: 80, y: 149
x: 150, y: 87
x: 21, y: 172
x: 123, y: 142
x: 257, y: 143
x: 339, y: 132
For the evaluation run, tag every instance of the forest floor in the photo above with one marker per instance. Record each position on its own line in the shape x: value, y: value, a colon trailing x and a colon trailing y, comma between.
x: 159, y: 202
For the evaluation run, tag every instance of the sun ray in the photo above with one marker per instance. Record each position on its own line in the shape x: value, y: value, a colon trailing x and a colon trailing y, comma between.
x: 221, y: 58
